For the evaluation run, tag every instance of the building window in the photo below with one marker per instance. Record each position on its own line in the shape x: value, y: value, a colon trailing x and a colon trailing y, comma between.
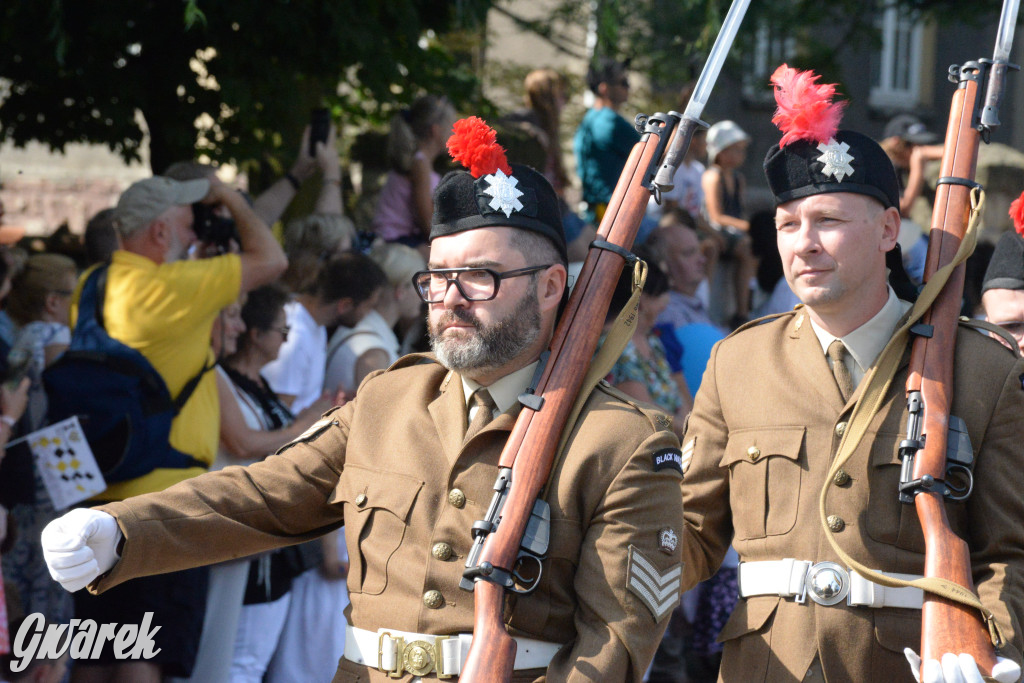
x: 896, y: 67
x: 771, y: 48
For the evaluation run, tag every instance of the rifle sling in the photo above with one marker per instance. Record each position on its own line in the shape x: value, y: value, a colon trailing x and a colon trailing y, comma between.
x: 614, y: 344
x: 878, y: 380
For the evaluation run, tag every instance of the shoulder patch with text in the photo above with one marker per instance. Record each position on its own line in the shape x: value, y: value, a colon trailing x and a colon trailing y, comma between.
x: 668, y: 458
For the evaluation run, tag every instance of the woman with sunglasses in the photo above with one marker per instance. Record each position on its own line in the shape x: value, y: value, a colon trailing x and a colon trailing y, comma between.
x: 254, y: 422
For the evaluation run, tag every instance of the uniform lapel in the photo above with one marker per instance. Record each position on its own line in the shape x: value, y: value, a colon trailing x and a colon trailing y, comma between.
x: 502, y: 423
x: 448, y: 412
x: 809, y: 366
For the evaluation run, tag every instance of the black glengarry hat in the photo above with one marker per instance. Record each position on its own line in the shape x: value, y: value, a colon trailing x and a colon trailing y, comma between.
x: 813, y: 156
x: 493, y: 193
x: 1006, y: 269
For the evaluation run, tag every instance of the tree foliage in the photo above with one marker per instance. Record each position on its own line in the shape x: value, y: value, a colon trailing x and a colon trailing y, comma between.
x: 668, y: 40
x: 231, y: 78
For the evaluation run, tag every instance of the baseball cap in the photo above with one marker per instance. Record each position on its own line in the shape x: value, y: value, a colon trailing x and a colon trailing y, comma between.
x: 909, y: 128
x: 722, y: 135
x: 147, y: 199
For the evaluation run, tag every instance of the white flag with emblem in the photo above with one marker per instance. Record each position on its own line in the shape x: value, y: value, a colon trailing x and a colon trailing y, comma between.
x: 658, y: 590
x: 66, y: 463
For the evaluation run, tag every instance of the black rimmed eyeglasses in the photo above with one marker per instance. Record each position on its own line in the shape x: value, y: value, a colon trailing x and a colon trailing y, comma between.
x: 474, y: 284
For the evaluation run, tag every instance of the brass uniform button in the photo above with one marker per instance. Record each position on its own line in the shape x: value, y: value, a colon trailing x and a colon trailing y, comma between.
x: 433, y: 599
x: 441, y: 551
x: 841, y: 478
x: 840, y: 429
x: 754, y: 452
x: 836, y: 523
x: 361, y: 499
x: 457, y: 498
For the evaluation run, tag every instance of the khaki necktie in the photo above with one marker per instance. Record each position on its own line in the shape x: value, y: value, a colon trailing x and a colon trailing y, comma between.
x: 484, y: 404
x: 837, y: 354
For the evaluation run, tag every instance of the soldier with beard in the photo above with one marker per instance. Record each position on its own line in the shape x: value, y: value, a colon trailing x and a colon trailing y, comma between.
x: 408, y: 466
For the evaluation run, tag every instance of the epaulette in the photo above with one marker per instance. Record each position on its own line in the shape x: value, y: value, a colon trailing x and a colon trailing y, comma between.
x: 765, y: 319
x: 407, y: 361
x: 655, y: 415
x: 984, y: 327
x: 412, y: 359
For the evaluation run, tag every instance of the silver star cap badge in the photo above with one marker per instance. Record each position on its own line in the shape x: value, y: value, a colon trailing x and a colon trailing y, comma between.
x: 505, y: 195
x: 837, y: 161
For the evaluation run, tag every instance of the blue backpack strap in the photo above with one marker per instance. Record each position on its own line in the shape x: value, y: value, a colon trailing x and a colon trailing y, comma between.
x: 90, y: 312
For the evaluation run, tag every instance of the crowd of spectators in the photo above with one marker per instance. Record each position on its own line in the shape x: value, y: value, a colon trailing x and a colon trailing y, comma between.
x: 275, y: 332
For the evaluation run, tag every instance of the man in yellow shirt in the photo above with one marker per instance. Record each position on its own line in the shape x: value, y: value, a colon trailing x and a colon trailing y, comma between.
x: 163, y: 304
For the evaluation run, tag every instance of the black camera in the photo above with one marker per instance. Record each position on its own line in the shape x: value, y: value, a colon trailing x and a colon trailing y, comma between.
x: 212, y: 228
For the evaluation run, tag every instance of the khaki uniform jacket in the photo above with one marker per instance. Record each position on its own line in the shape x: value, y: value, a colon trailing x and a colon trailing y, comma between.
x: 384, y: 465
x: 765, y: 426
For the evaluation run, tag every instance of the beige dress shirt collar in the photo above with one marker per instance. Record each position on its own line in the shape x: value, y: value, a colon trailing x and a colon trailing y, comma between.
x: 867, y: 341
x: 505, y: 391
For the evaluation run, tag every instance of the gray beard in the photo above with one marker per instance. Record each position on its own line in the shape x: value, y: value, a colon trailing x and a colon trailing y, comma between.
x: 490, y: 347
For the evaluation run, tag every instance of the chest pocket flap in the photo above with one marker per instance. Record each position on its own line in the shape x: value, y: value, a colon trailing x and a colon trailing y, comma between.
x: 367, y: 489
x: 376, y: 506
x: 755, y: 445
x: 765, y: 474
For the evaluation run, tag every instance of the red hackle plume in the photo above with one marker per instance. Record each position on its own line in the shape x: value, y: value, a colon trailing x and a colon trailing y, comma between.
x: 474, y: 145
x: 806, y: 110
x: 1017, y: 214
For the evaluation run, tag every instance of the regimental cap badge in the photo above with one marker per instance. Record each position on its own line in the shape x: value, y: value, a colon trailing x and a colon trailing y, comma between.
x: 668, y: 541
x: 504, y: 193
x: 835, y: 157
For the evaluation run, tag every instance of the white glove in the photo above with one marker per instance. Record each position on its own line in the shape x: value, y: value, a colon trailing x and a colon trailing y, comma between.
x: 959, y: 669
x: 80, y: 546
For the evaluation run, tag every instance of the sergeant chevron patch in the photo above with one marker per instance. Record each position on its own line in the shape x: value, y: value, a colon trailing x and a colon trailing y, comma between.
x: 659, y: 591
x: 687, y: 454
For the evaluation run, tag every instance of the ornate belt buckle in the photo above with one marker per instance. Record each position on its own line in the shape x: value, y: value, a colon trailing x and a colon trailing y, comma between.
x: 827, y: 583
x: 439, y: 656
x: 418, y: 658
x: 399, y: 655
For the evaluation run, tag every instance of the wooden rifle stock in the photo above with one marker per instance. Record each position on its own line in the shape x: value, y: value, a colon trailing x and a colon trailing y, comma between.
x: 946, y: 626
x: 530, y: 450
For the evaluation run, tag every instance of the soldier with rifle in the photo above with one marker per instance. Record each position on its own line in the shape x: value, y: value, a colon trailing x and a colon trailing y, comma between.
x: 766, y: 436
x: 409, y: 466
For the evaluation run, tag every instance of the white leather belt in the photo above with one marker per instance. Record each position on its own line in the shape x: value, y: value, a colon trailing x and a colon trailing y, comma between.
x: 826, y: 583
x: 394, y: 652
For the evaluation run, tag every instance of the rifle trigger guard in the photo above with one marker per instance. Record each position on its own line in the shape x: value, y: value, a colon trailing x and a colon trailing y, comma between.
x: 958, y: 493
x: 629, y: 256
x: 529, y: 584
